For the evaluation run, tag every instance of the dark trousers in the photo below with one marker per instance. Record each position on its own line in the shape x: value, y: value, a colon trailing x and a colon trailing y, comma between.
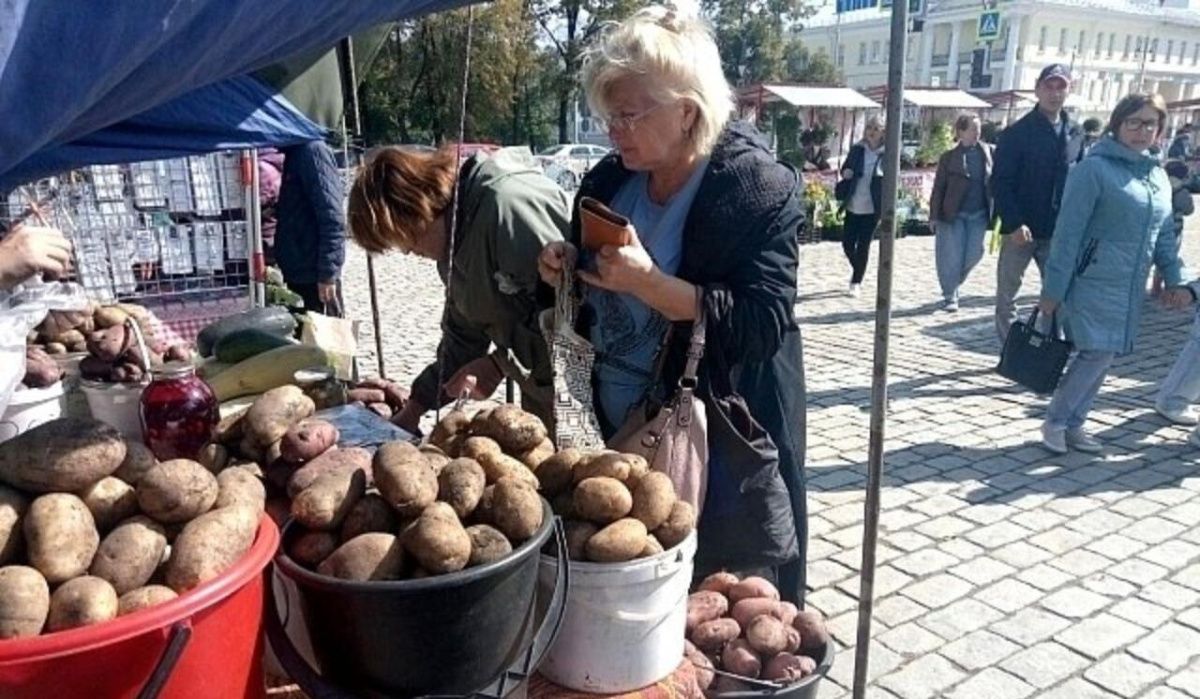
x: 856, y: 242
x: 312, y: 300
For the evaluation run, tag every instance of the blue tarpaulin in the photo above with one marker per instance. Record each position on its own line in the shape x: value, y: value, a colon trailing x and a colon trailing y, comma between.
x: 117, y: 81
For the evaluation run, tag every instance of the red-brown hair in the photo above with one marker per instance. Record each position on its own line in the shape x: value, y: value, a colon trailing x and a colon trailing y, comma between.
x: 397, y: 194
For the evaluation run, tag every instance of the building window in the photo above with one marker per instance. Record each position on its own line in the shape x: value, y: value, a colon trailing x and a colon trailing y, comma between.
x: 875, y: 51
x: 1128, y: 44
x: 1112, y: 44
x: 1170, y: 50
x: 841, y: 55
x: 1042, y: 40
x: 862, y: 53
x: 1182, y: 52
x: 1081, y: 48
x: 1062, y: 42
x: 887, y: 50
x: 1196, y: 54
x: 1099, y: 43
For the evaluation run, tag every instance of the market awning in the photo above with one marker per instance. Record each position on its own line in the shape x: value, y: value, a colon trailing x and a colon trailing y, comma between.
x: 806, y: 96
x: 943, y: 99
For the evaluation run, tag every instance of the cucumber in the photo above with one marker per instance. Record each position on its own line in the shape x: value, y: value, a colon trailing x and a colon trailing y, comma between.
x: 243, y: 344
x: 272, y: 319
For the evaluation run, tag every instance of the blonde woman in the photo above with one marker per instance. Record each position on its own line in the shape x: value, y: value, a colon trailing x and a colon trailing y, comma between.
x: 961, y: 207
x: 864, y: 170
x: 714, y: 216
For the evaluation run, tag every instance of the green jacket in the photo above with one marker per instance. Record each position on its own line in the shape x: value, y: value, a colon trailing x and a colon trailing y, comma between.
x: 507, y: 212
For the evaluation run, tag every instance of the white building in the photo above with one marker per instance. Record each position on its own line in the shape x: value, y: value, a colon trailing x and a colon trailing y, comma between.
x: 1111, y: 45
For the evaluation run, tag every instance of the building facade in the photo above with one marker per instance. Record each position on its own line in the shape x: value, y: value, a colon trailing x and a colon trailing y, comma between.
x: 1111, y: 45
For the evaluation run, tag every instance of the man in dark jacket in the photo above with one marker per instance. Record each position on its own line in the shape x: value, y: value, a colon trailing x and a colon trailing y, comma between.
x: 1030, y: 171
x: 310, y: 236
x: 1181, y: 146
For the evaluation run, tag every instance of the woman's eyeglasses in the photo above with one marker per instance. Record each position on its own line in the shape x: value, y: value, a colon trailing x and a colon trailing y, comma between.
x: 628, y: 122
x: 1134, y: 124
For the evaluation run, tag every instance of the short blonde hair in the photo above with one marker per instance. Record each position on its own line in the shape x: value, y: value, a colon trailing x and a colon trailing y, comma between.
x: 678, y: 55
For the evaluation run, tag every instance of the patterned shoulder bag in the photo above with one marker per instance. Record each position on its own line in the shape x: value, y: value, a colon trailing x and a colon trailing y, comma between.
x: 572, y: 358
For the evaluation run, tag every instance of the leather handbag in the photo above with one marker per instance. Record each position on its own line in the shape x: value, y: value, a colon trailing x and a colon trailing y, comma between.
x: 674, y: 438
x: 601, y: 225
x: 1034, y: 359
x: 572, y: 358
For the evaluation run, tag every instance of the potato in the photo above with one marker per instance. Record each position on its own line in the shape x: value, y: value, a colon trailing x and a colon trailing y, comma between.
x: 713, y: 635
x: 370, y: 514
x: 746, y: 610
x: 678, y: 526
x: 488, y: 544
x: 40, y: 368
x: 144, y: 598
x: 404, y: 478
x: 451, y: 424
x: 13, y: 506
x: 109, y: 316
x: 793, y: 639
x: 24, y: 602
x: 130, y: 554
x: 64, y: 455
x: 498, y: 466
x: 607, y: 464
x: 766, y: 635
x: 60, y: 536
x: 620, y: 541
x: 652, y: 548
x: 535, y: 456
x: 209, y: 545
x: 753, y: 587
x: 55, y: 348
x: 178, y: 490
x: 555, y: 474
x: 461, y: 484
x: 603, y: 500
x: 514, y: 429
x: 351, y: 459
x: 274, y: 412
x: 110, y: 500
x: 435, y: 461
x: 306, y: 440
x: 366, y: 396
x: 476, y: 447
x: 787, y: 613
x: 438, y: 541
x: 704, y: 666
x: 813, y: 634
x: 705, y: 606
x: 483, y: 513
x: 578, y: 533
x: 788, y: 668
x: 81, y: 601
x: 370, y: 556
x: 239, y: 486
x: 638, y: 468
x: 740, y: 659
x: 325, y: 504
x: 517, y: 509
x: 110, y: 343
x: 231, y: 428
x: 719, y: 582
x: 479, y: 422
x: 310, y: 548
x: 653, y: 499
x: 214, y: 457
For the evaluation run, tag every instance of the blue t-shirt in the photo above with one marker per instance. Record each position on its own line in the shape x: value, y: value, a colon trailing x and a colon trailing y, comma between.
x: 627, y: 332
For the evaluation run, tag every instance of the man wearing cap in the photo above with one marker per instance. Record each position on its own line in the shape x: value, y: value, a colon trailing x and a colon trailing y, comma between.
x: 1030, y: 170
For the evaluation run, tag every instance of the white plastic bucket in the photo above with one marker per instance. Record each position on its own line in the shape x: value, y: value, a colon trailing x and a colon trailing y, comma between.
x: 29, y: 408
x: 118, y: 404
x: 624, y: 624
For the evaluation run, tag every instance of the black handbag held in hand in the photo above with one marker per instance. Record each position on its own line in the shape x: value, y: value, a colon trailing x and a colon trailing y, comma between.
x: 1034, y: 359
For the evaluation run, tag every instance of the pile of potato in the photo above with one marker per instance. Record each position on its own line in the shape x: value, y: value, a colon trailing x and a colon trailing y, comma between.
x: 381, y: 396
x: 411, y: 512
x: 741, y: 627
x: 93, y: 527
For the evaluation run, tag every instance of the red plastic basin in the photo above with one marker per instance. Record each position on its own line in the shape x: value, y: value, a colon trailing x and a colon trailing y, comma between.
x: 217, y: 626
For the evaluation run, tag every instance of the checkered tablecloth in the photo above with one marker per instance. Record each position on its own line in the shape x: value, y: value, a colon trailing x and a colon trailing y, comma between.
x: 176, y: 323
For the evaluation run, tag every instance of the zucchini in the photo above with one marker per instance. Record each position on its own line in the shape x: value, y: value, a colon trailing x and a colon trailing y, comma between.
x: 244, y: 344
x: 272, y: 319
x: 271, y: 369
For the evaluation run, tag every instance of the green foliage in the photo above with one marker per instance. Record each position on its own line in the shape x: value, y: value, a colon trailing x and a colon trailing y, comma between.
x: 752, y: 36
x: 807, y: 67
x: 938, y: 140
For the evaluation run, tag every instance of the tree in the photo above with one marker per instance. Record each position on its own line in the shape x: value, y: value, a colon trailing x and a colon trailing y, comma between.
x: 751, y: 35
x: 807, y: 67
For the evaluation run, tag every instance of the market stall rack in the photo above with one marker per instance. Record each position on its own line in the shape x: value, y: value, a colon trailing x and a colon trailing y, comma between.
x: 837, y: 111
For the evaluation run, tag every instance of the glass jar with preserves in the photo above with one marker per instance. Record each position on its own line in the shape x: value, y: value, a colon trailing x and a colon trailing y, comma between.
x: 179, y: 412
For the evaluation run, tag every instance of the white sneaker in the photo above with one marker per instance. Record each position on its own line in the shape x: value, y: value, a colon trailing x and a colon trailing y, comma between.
x: 1187, y: 416
x: 1080, y: 440
x: 855, y: 290
x: 1054, y: 439
x: 1194, y: 438
x: 950, y: 305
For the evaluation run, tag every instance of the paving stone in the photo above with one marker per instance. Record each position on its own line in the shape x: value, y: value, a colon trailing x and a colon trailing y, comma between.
x: 1170, y: 553
x: 1030, y: 626
x: 887, y: 581
x: 910, y: 640
x: 922, y: 678
x: 997, y: 535
x: 881, y: 663
x: 1046, y: 664
x: 1080, y: 562
x: 961, y: 549
x: 937, y: 505
x: 988, y: 513
x: 1074, y: 602
x: 1117, y: 547
x: 1109, y: 586
x: 1172, y: 646
x: 896, y: 610
x: 1189, y: 577
x: 824, y: 573
x: 1187, y: 681
x: 909, y: 541
x: 1098, y: 522
x: 937, y: 591
x: 1138, y: 571
x: 982, y: 571
x: 844, y: 627
x: 1099, y: 635
x: 1153, y: 530
x: 944, y: 527
x: 979, y: 650
x: 1038, y: 520
x: 1060, y: 540
x: 1138, y: 508
x: 830, y: 601
x: 1076, y: 689
x: 1190, y: 618
x: 1045, y: 577
x: 925, y: 562
x: 1124, y: 675
x: 1009, y: 595
x: 1164, y: 693
x: 1142, y: 613
x: 1169, y: 595
x: 1073, y: 506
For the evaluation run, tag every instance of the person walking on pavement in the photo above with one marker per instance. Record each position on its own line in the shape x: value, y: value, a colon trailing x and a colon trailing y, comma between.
x: 863, y: 172
x: 961, y: 207
x: 1092, y: 130
x: 1115, y: 221
x: 1181, y: 387
x: 310, y: 233
x: 1027, y: 183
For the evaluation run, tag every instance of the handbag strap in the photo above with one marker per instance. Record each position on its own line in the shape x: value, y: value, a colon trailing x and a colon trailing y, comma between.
x: 1053, y: 322
x: 695, y: 350
x: 565, y: 307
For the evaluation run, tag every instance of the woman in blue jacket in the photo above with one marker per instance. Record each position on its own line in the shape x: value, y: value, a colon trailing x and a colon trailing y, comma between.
x: 1114, y: 223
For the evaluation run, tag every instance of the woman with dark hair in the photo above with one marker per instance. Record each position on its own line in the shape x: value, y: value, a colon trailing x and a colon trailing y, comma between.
x: 1115, y: 222
x: 507, y: 212
x: 961, y: 207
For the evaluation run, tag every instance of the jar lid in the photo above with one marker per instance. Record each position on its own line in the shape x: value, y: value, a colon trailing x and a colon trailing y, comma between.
x: 174, y: 370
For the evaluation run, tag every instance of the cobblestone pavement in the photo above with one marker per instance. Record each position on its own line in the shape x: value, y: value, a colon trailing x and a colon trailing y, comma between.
x: 1004, y: 572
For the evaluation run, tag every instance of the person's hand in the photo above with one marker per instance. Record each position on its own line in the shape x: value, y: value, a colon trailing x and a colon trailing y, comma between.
x: 552, y: 259
x: 627, y: 269
x: 1023, y: 235
x: 1176, y: 298
x: 30, y: 250
x: 327, y: 292
x: 409, y: 417
x: 479, y: 378
x: 1047, y: 306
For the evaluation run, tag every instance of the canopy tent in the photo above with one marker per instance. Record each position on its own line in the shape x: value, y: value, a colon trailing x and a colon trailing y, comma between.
x: 89, y: 83
x: 806, y: 96
x: 931, y: 98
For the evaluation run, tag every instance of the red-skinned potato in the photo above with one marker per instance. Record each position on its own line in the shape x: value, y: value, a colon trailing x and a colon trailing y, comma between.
x: 745, y: 611
x: 813, y: 634
x: 753, y: 587
x: 740, y: 659
x: 705, y: 606
x: 713, y: 635
x: 789, y: 668
x: 704, y: 666
x: 719, y: 582
x: 767, y: 635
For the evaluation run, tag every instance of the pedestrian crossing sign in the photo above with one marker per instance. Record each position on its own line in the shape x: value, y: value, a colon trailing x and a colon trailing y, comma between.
x: 989, y: 25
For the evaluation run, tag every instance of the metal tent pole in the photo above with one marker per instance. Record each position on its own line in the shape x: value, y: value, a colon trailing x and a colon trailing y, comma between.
x: 883, y: 319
